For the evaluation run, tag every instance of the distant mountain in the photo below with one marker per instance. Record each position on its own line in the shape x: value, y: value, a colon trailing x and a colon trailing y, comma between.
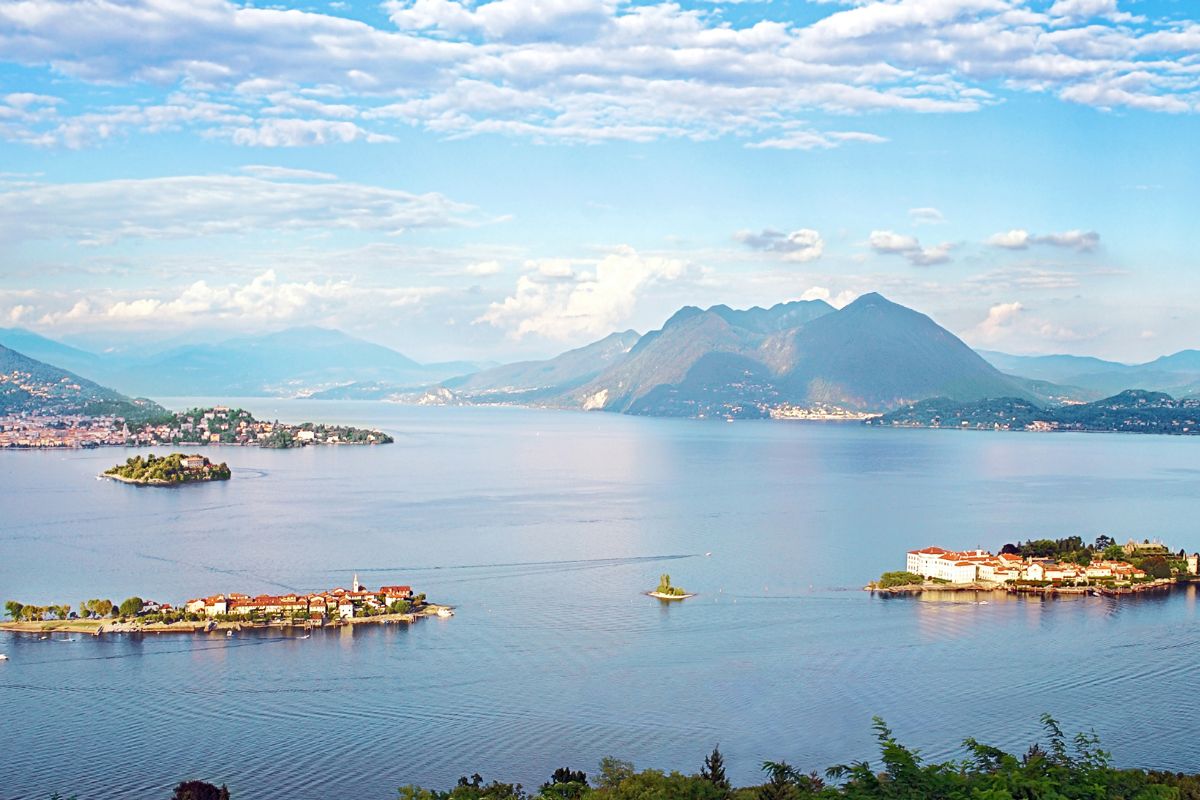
x: 289, y: 362
x: 49, y: 351
x: 697, y: 362
x: 29, y: 386
x: 1131, y: 411
x: 1177, y: 374
x: 1055, y: 368
x: 552, y: 376
x: 871, y: 355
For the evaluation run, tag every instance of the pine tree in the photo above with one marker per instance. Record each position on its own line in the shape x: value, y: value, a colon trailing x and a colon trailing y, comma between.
x: 714, y: 770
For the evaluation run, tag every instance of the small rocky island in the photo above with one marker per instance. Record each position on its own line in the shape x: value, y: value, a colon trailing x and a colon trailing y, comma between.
x: 666, y: 591
x: 172, y: 470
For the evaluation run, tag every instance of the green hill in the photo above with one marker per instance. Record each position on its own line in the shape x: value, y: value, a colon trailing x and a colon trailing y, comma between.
x: 32, y: 387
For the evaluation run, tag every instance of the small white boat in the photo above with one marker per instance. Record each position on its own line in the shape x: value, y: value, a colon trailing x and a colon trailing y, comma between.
x: 305, y: 636
x: 445, y: 612
x: 228, y: 633
x: 3, y: 657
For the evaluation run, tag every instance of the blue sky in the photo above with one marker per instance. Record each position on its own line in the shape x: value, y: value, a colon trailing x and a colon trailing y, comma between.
x: 509, y: 178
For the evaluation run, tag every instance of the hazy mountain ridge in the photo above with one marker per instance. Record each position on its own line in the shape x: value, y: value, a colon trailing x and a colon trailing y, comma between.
x: 1176, y: 374
x: 294, y: 361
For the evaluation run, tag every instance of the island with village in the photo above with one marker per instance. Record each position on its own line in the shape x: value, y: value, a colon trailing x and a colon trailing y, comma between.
x: 175, y: 469
x: 1045, y: 566
x: 217, y: 425
x: 228, y: 613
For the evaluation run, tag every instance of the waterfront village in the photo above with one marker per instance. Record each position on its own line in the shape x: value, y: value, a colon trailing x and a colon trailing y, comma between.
x: 199, y: 426
x: 1046, y: 565
x: 228, y: 611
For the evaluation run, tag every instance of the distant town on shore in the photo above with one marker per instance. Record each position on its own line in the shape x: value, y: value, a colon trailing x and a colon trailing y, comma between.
x: 199, y: 427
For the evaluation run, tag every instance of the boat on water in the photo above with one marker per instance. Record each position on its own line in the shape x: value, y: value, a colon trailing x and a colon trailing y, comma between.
x: 3, y: 657
x: 228, y: 634
x: 445, y: 612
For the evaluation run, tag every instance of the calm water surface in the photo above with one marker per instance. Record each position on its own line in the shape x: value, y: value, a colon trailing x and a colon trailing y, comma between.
x: 543, y: 528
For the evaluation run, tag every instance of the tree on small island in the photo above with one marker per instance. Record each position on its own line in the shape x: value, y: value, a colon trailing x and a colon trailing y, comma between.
x: 665, y: 587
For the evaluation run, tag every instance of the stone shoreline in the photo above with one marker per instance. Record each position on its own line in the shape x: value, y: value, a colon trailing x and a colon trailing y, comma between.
x: 1161, y: 584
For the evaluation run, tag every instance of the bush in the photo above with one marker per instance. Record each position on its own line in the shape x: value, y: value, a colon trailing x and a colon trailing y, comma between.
x: 889, y: 579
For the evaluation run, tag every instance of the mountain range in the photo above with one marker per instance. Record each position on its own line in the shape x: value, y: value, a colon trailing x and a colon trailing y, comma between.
x: 870, y: 356
x: 1177, y: 374
x: 296, y: 361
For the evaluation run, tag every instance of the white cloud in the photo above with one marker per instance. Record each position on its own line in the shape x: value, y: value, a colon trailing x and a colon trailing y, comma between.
x: 483, y: 268
x: 302, y: 132
x: 269, y: 172
x: 801, y: 245
x: 842, y: 298
x: 191, y: 206
x: 891, y: 243
x: 1015, y: 239
x: 262, y: 300
x: 926, y: 216
x: 808, y: 139
x: 1021, y: 239
x: 570, y: 70
x: 1012, y: 321
x: 557, y: 299
x: 1069, y: 11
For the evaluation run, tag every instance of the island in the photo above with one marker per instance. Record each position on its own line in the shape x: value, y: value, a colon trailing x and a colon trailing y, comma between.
x: 665, y: 591
x: 1045, y: 566
x: 229, y: 612
x: 175, y: 469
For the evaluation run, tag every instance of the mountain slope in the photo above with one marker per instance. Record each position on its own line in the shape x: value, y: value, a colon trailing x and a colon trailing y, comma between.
x: 679, y: 354
x: 29, y: 386
x: 562, y: 373
x: 877, y: 354
x: 871, y: 355
x: 49, y: 351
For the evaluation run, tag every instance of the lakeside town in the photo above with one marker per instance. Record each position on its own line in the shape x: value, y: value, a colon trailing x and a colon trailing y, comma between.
x: 1045, y: 565
x: 218, y: 425
x: 228, y: 611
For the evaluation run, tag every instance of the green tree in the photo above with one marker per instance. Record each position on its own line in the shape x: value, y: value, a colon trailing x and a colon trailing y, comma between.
x: 713, y: 770
x: 1156, y: 567
x: 199, y: 790
x: 613, y: 771
x: 14, y: 609
x: 565, y: 784
x: 779, y: 785
x: 130, y: 606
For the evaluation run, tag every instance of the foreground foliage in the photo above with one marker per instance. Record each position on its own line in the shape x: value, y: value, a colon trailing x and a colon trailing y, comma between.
x: 1057, y: 768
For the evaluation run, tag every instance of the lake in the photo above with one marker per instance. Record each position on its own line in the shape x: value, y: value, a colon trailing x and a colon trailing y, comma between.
x: 543, y: 528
